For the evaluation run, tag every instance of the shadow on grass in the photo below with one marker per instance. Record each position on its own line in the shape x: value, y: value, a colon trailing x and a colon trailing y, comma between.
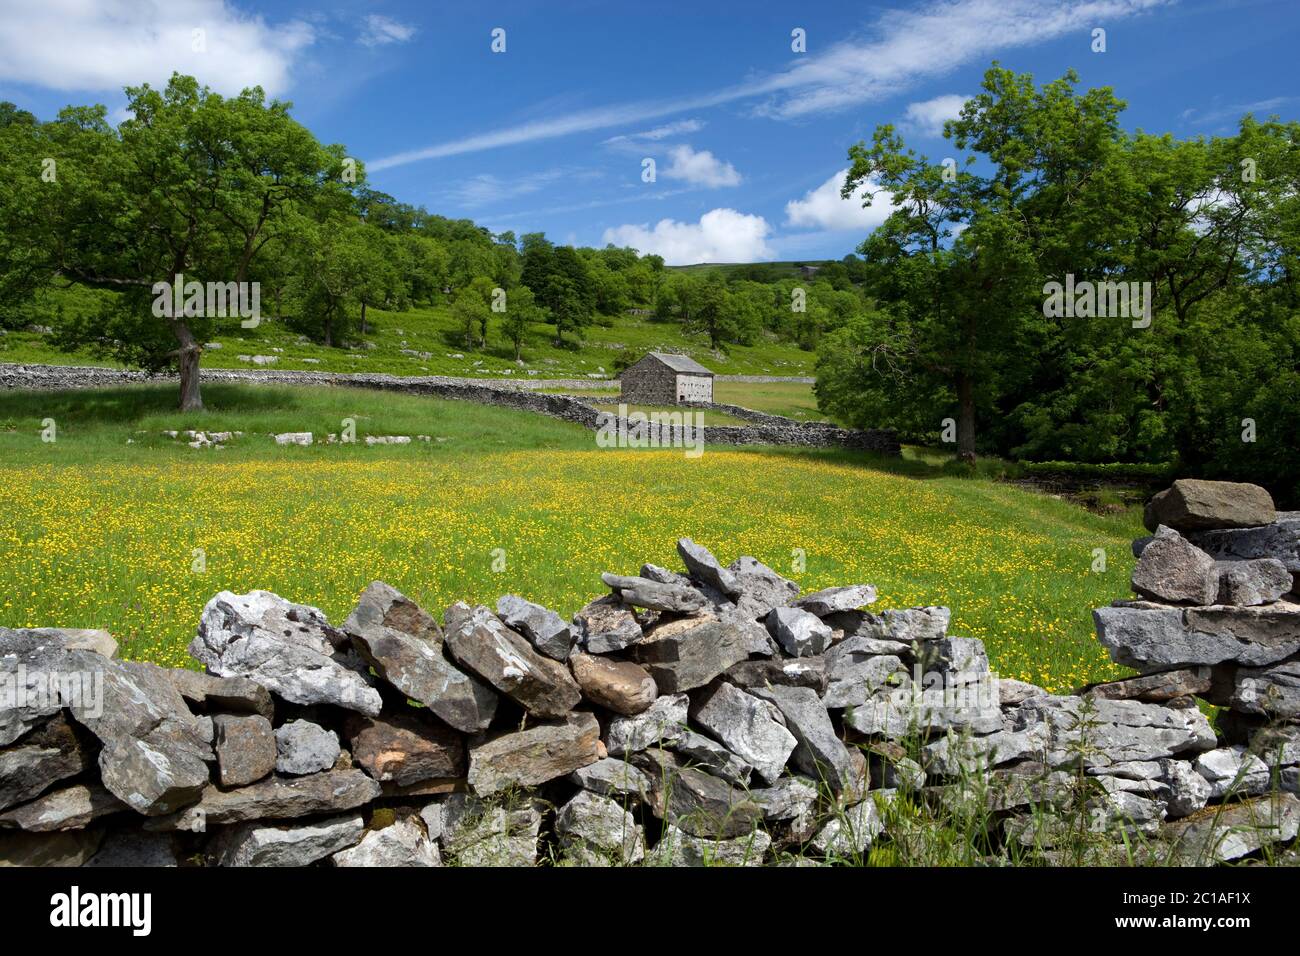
x: 120, y: 405
x: 908, y: 466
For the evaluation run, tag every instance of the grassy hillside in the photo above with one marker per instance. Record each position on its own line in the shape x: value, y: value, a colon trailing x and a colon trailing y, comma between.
x: 770, y: 271
x: 96, y: 532
x: 427, y: 341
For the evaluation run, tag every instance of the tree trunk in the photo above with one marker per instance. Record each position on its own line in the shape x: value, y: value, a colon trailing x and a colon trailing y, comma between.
x: 363, y: 317
x: 187, y: 358
x: 329, y: 331
x: 965, y: 418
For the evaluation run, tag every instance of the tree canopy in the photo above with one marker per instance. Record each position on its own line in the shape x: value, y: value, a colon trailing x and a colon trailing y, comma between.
x: 1052, y: 192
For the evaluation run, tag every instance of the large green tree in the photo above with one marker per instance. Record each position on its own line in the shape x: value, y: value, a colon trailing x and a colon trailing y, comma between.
x: 192, y: 187
x: 1051, y: 191
x: 955, y: 263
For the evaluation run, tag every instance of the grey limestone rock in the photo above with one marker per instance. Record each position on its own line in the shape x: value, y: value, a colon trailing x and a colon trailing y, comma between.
x: 662, y: 724
x: 534, y: 755
x: 297, y: 844
x: 596, y: 830
x: 548, y: 632
x: 403, y: 843
x: 676, y: 847
x: 819, y: 753
x: 404, y: 645
x: 290, y: 649
x: 834, y: 600
x: 607, y: 625
x: 1257, y: 581
x: 303, y: 748
x: 486, y: 647
x: 1175, y: 570
x: 704, y: 567
x: 1151, y: 637
x: 749, y: 727
x: 655, y: 595
x: 800, y: 633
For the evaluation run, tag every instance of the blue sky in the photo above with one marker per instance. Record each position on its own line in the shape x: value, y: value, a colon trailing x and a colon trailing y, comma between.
x: 748, y: 137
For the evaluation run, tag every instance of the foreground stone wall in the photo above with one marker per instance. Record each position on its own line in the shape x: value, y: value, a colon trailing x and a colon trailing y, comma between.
x: 766, y: 430
x: 708, y: 715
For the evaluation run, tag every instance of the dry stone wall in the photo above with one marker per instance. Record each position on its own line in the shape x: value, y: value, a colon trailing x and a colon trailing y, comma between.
x: 711, y: 714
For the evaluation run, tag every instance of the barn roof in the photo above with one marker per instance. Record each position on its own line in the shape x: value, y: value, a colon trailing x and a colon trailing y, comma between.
x: 680, y: 363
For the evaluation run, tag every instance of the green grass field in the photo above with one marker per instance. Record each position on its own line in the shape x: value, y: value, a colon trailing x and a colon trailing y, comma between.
x: 427, y: 341
x: 99, y: 532
x: 791, y: 399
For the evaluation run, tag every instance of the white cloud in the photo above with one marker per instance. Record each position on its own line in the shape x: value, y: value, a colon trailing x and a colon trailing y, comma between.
x: 927, y: 117
x: 823, y: 208
x: 907, y: 46
x: 380, y: 30
x: 721, y: 235
x: 109, y: 44
x: 700, y: 169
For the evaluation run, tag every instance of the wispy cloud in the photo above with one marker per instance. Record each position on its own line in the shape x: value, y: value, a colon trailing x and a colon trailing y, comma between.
x: 909, y: 45
x: 1220, y: 114
x: 584, y: 121
x: 673, y: 129
x: 379, y: 30
x: 486, y: 188
x: 667, y: 131
x: 904, y: 46
x: 657, y: 195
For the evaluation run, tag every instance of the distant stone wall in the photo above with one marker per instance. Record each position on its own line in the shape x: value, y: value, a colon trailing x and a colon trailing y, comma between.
x: 89, y: 376
x: 766, y: 430
x: 682, y: 717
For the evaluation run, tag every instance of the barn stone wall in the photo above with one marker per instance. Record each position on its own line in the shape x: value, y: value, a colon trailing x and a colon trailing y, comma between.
x: 648, y: 383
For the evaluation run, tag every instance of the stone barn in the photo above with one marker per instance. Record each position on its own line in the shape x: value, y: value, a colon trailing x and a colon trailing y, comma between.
x: 662, y: 378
